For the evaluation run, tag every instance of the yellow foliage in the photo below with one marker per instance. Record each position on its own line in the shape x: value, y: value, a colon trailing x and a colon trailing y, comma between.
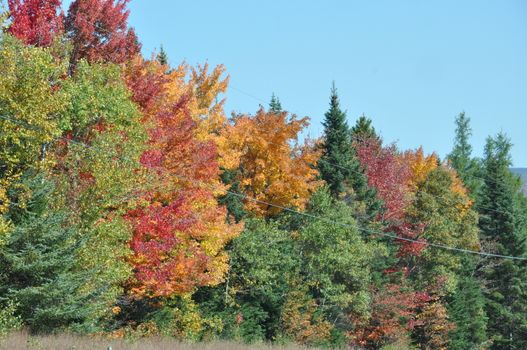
x: 300, y: 320
x: 420, y: 165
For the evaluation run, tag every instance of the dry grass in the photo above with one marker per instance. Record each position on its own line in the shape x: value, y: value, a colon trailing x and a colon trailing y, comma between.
x: 22, y: 341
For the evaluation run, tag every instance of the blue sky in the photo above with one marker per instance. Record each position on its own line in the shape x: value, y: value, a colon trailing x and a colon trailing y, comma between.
x: 411, y: 66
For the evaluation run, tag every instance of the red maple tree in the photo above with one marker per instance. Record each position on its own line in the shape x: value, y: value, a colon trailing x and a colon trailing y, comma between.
x: 36, y: 22
x: 99, y: 31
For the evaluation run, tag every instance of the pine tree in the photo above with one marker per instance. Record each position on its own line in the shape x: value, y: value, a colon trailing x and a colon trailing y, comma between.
x: 461, y: 159
x: 162, y: 57
x: 275, y: 106
x: 467, y: 310
x: 503, y: 222
x: 339, y: 166
x: 38, y: 264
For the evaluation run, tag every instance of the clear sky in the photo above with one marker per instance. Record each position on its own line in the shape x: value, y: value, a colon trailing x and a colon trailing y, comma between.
x: 411, y: 66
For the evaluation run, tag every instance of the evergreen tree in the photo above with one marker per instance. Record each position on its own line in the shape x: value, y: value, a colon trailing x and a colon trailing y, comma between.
x: 338, y: 163
x: 162, y: 57
x: 233, y: 199
x: 37, y: 264
x: 503, y: 223
x: 467, y: 310
x: 363, y: 129
x: 461, y: 159
x: 263, y: 261
x: 339, y: 166
x: 275, y: 106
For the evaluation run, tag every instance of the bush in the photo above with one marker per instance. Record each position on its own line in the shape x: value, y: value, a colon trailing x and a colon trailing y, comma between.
x: 9, y: 322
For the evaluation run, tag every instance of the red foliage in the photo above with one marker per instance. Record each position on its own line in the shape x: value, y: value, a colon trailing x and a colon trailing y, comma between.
x: 388, y: 174
x: 99, y: 31
x: 168, y: 257
x: 178, y: 237
x: 393, y: 314
x: 177, y: 150
x: 410, y: 231
x: 146, y: 81
x: 36, y: 22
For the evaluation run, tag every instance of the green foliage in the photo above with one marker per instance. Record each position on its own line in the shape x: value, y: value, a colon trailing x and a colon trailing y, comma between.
x: 9, y: 322
x: 97, y: 180
x: 77, y: 157
x: 31, y: 103
x: 263, y: 261
x: 503, y: 223
x: 467, y: 310
x: 275, y: 106
x: 339, y: 166
x: 337, y: 163
x: 468, y: 168
x: 162, y: 57
x: 233, y: 200
x: 98, y: 95
x: 336, y: 260
x: 38, y: 263
x: 363, y: 130
x: 318, y: 267
x: 449, y: 221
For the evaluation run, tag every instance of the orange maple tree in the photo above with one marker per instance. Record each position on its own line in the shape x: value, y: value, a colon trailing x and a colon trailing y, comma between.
x: 180, y: 231
x: 273, y: 167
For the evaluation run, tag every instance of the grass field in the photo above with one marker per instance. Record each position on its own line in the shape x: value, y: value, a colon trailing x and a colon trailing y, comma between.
x: 22, y: 341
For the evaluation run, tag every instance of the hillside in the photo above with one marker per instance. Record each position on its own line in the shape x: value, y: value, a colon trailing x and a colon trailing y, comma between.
x: 523, y: 174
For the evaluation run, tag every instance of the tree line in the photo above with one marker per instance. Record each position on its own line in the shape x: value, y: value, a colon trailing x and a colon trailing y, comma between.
x: 132, y: 206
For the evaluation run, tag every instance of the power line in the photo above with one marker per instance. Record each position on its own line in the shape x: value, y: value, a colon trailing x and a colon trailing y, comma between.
x: 34, y: 128
x: 320, y: 160
x: 362, y: 173
x: 321, y: 218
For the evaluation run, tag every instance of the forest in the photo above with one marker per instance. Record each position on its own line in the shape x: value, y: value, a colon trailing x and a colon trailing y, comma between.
x: 132, y: 206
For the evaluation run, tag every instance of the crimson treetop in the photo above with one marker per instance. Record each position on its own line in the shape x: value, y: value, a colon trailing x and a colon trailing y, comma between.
x: 99, y: 31
x: 36, y: 22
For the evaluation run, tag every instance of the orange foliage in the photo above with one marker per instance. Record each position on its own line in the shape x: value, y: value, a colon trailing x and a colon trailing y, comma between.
x: 271, y: 169
x: 180, y: 232
x: 300, y: 322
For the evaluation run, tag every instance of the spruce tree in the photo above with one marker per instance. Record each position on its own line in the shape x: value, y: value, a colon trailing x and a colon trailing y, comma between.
x: 162, y: 56
x: 339, y: 166
x: 363, y: 129
x: 38, y: 262
x: 275, y: 106
x: 461, y: 159
x: 503, y: 223
x: 467, y: 310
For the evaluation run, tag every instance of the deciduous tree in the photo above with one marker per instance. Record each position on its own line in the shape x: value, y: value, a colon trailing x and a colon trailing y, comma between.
x: 36, y: 22
x: 271, y: 169
x: 180, y: 231
x: 99, y: 31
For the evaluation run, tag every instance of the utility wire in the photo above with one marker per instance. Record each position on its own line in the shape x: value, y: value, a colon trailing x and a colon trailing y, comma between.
x: 320, y: 160
x: 324, y: 219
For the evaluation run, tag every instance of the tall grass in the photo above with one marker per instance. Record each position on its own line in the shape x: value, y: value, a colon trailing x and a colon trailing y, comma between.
x: 23, y: 341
